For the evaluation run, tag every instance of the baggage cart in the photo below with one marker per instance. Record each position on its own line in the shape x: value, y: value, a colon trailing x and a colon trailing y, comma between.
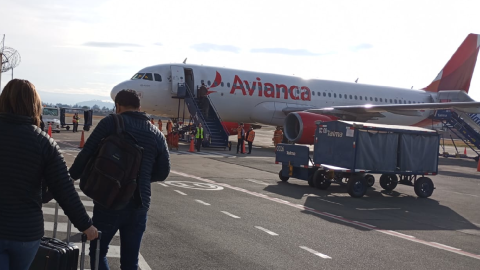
x: 349, y: 153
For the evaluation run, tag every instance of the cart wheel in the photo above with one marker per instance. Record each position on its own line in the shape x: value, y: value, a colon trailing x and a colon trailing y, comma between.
x: 357, y: 186
x: 283, y: 178
x: 388, y: 181
x: 424, y: 187
x: 310, y: 180
x: 319, y: 180
x: 68, y: 128
x: 370, y: 180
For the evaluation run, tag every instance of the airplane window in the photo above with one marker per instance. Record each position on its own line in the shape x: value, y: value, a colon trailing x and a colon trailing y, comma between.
x: 371, y: 99
x: 404, y: 102
x: 340, y: 95
x: 334, y: 95
x: 313, y: 92
x: 366, y: 98
x: 247, y: 87
x: 376, y: 99
x: 202, y: 81
x: 395, y: 101
x: 222, y: 84
x: 148, y: 77
x: 138, y: 76
x: 324, y: 94
x: 409, y: 102
x: 351, y: 97
x: 345, y: 96
x: 361, y: 98
x: 391, y: 101
x: 355, y: 97
x: 158, y: 77
x: 209, y: 83
x: 381, y: 99
x: 329, y: 95
x: 228, y: 84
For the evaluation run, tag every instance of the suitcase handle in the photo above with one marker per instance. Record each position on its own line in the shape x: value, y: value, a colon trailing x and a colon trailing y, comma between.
x: 97, y: 251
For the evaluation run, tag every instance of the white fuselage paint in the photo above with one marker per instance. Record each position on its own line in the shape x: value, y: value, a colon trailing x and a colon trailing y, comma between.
x: 233, y: 106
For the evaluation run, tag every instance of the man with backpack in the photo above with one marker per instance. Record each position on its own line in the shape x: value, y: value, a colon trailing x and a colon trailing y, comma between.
x: 128, y: 149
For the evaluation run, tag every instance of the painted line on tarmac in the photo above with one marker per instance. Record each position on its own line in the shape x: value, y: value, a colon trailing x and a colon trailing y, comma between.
x: 179, y: 192
x: 202, y: 202
x: 445, y: 246
x: 258, y: 182
x: 375, y: 209
x: 165, y: 185
x: 228, y: 214
x: 363, y: 223
x: 267, y: 231
x: 465, y: 194
x: 315, y: 252
x: 344, y: 220
x: 329, y: 201
x: 406, y: 235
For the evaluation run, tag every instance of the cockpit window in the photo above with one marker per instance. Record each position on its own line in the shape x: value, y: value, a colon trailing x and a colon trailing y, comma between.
x: 148, y: 76
x: 138, y: 76
x: 158, y: 78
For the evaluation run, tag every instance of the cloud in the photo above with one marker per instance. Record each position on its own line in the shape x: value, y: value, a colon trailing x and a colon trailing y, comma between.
x: 298, y: 52
x: 363, y: 46
x: 110, y: 44
x: 128, y: 50
x: 206, y: 47
x: 158, y: 44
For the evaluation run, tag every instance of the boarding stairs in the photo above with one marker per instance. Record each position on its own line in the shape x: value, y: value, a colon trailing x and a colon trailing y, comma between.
x: 463, y: 125
x: 215, y: 134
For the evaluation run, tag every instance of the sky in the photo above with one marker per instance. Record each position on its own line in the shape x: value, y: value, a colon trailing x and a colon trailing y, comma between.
x: 78, y: 50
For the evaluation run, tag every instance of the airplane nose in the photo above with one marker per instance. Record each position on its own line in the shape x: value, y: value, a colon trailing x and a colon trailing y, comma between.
x: 117, y: 89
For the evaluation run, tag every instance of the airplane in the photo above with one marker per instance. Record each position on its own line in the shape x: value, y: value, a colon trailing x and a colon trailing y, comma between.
x: 296, y: 103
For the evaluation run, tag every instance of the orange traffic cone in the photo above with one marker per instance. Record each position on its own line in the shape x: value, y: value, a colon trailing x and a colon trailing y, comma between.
x: 243, y: 147
x: 50, y: 130
x: 192, y: 147
x: 82, y: 141
x: 478, y: 166
x: 465, y: 151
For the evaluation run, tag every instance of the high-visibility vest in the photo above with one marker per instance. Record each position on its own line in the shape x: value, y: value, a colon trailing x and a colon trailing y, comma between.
x: 251, y: 136
x: 199, y: 134
x: 160, y: 124
x: 240, y: 132
x: 169, y: 126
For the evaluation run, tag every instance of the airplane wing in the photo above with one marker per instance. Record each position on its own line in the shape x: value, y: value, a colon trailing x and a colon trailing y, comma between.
x: 368, y: 112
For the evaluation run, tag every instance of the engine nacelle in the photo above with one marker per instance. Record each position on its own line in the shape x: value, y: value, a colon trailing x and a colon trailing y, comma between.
x: 299, y: 127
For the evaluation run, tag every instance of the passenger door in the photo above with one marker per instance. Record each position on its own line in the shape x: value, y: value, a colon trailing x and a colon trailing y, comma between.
x: 178, y: 77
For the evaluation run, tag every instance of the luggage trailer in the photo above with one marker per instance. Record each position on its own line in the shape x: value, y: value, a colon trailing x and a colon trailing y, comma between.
x: 348, y: 153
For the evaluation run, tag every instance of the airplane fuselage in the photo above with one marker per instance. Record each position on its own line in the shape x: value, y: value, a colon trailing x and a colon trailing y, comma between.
x: 254, y: 97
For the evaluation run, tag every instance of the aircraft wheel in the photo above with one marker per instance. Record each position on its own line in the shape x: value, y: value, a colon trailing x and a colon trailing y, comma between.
x: 357, y: 186
x: 283, y: 178
x: 388, y: 181
x: 320, y: 181
x: 370, y: 180
x: 424, y: 187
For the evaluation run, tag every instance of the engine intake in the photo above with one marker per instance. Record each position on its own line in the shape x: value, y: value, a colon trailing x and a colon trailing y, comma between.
x: 299, y: 127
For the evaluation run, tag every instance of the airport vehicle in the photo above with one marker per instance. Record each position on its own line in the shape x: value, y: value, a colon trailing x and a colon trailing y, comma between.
x: 51, y: 116
x: 295, y: 103
x: 87, y: 118
x: 349, y: 153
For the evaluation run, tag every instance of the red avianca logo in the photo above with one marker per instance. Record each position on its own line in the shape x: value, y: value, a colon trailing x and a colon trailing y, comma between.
x: 268, y: 90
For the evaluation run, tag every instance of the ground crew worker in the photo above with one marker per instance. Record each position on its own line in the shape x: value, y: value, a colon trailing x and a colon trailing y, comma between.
x: 202, y: 97
x: 160, y: 124
x: 277, y: 136
x: 169, y: 127
x: 199, y: 137
x: 250, y: 138
x: 241, y: 137
x: 152, y: 121
x: 75, y: 122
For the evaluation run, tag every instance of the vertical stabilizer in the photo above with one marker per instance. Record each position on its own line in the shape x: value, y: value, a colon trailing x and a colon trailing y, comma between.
x: 458, y: 72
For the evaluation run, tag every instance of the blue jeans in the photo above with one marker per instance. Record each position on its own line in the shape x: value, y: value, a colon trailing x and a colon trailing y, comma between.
x: 131, y: 223
x: 16, y: 255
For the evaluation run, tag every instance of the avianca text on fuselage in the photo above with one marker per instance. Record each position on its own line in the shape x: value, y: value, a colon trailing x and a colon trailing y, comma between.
x: 270, y: 91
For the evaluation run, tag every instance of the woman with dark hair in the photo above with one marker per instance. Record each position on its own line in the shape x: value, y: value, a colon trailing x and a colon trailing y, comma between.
x: 26, y: 157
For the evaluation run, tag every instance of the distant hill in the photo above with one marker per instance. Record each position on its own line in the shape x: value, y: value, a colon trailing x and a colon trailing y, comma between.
x: 100, y: 103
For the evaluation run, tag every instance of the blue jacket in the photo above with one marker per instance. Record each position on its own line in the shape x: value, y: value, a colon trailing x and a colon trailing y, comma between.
x: 156, y: 158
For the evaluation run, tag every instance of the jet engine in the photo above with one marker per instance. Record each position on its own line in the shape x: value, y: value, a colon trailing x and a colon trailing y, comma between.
x: 299, y: 127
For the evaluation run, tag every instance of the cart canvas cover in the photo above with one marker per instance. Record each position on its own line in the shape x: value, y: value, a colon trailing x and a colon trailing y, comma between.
x: 376, y: 147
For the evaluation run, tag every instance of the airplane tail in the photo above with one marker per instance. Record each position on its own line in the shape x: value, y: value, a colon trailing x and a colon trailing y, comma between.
x: 458, y: 72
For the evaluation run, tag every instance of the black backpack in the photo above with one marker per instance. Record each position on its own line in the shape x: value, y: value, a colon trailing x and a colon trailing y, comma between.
x: 111, y: 175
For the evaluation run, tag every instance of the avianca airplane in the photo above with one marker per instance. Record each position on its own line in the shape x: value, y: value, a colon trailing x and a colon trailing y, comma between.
x: 296, y: 103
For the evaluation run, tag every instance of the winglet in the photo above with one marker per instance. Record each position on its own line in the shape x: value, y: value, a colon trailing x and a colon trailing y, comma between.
x: 458, y: 72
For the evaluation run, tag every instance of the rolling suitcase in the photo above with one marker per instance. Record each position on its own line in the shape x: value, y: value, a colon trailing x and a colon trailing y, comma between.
x: 55, y: 254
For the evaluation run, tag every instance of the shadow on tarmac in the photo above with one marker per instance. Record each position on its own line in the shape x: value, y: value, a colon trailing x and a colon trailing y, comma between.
x: 386, y: 210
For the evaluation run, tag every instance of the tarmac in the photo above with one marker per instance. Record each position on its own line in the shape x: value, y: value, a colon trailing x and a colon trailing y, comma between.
x: 222, y: 210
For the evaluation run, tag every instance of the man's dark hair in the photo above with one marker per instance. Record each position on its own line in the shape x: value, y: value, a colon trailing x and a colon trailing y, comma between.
x: 128, y: 98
